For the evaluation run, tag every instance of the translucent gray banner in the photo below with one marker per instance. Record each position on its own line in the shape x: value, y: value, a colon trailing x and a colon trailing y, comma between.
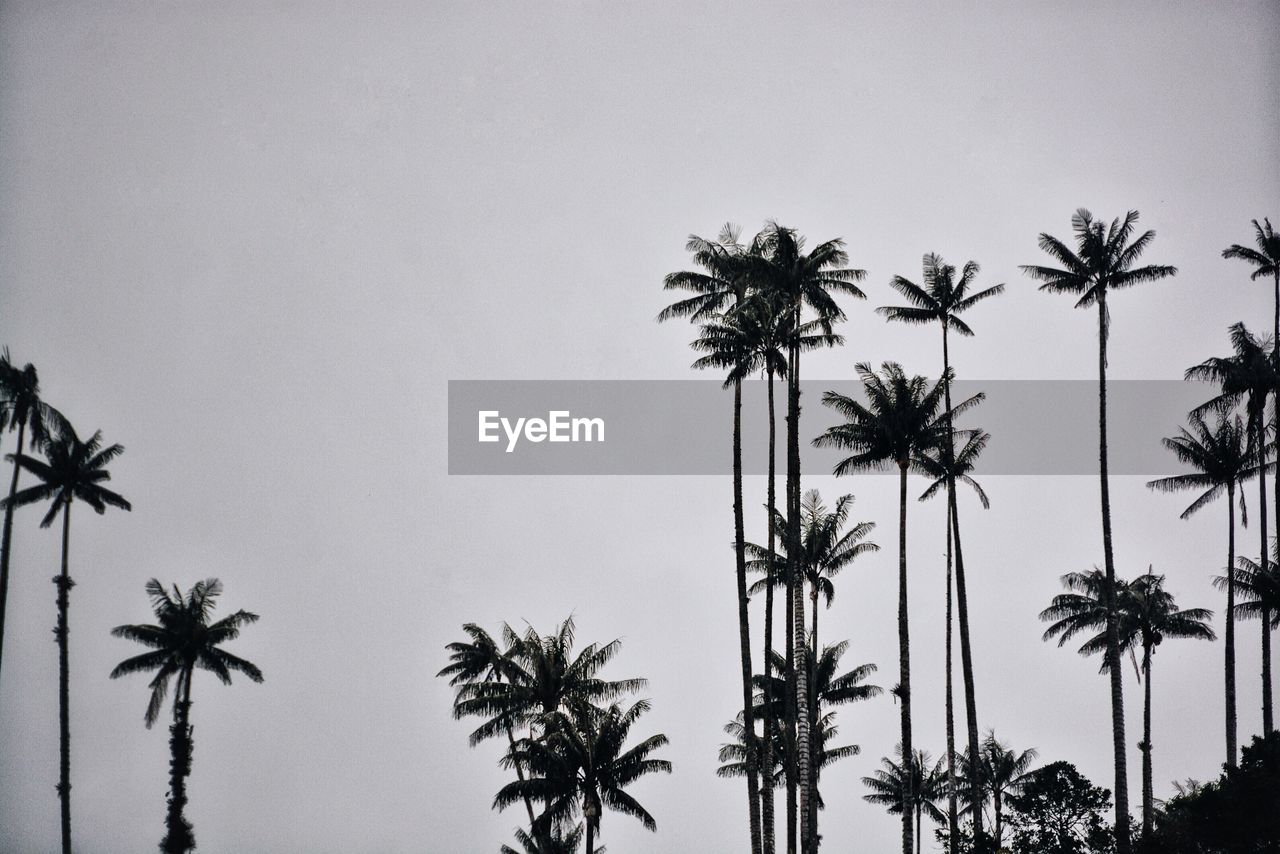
x: 684, y: 427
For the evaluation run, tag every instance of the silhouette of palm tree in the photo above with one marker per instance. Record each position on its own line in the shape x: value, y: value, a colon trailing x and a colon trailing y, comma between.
x: 1103, y: 261
x: 1222, y: 460
x: 942, y: 299
x: 898, y: 424
x: 731, y: 339
x: 1000, y: 772
x: 1259, y: 588
x: 911, y: 789
x: 797, y: 279
x: 182, y: 641
x: 20, y: 408
x: 582, y: 763
x: 1248, y: 375
x: 74, y: 469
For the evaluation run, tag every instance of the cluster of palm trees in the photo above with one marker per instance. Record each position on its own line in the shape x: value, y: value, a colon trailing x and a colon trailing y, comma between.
x: 69, y: 469
x: 572, y: 757
x: 759, y: 305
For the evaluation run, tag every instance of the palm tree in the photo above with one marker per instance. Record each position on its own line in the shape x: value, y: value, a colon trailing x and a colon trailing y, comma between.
x: 797, y: 279
x: 1222, y: 460
x: 1000, y: 772
x: 583, y: 763
x: 183, y: 640
x: 1259, y: 588
x: 555, y: 843
x: 899, y: 423
x: 942, y: 299
x: 482, y: 660
x: 74, y: 469
x: 544, y: 677
x: 730, y: 344
x: 1148, y: 615
x: 947, y: 468
x: 1249, y: 374
x: 1265, y: 260
x: 20, y: 408
x: 909, y: 788
x: 1103, y: 261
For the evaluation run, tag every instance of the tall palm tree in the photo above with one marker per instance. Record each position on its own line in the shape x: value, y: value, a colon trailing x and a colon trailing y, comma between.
x: 1000, y: 772
x: 800, y: 279
x: 948, y: 467
x: 731, y: 343
x: 583, y: 764
x: 1249, y: 374
x: 1222, y: 460
x: 942, y: 300
x: 909, y: 788
x: 1259, y: 587
x: 899, y: 423
x: 20, y: 408
x: 1265, y: 260
x: 182, y: 641
x: 544, y: 677
x: 1103, y: 261
x: 74, y: 469
x: 482, y: 660
x: 1148, y: 616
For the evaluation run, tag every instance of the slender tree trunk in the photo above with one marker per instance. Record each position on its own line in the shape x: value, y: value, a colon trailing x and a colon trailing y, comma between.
x: 591, y: 837
x: 904, y: 658
x: 1230, y: 664
x: 744, y: 628
x: 1267, y: 720
x: 962, y: 602
x: 1148, y: 803
x: 179, y: 835
x: 995, y: 800
x: 953, y: 820
x: 64, y: 584
x: 1261, y: 434
x: 767, y: 788
x: 1123, y: 839
x: 793, y: 788
x: 7, y: 541
x: 797, y: 578
x: 812, y: 662
x: 919, y: 814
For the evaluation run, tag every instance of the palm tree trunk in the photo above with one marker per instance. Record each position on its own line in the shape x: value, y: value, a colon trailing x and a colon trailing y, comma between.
x: 995, y: 800
x: 591, y: 837
x: 64, y: 584
x: 1123, y: 842
x: 962, y: 602
x: 1230, y: 664
x: 1267, y: 722
x: 7, y: 541
x: 1148, y: 804
x: 797, y: 601
x: 919, y: 813
x: 1260, y: 433
x: 179, y: 837
x: 812, y: 663
x: 792, y: 762
x: 744, y: 628
x: 953, y: 820
x: 767, y: 788
x: 904, y: 657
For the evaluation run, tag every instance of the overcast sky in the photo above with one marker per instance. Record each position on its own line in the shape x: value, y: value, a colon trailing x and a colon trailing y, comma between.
x: 253, y: 242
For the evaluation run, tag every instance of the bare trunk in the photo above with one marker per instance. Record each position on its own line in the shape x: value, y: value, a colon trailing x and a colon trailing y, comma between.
x: 904, y: 659
x: 1261, y: 438
x: 1229, y: 666
x: 1148, y: 802
x: 179, y: 836
x: 744, y: 629
x: 797, y: 577
x: 7, y: 541
x: 1123, y: 842
x: 953, y: 820
x: 767, y: 789
x: 64, y: 584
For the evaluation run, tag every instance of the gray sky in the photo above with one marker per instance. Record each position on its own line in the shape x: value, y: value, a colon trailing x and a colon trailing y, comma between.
x: 253, y: 243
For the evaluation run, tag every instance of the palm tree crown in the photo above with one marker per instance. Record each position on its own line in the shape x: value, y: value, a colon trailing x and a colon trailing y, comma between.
x: 183, y: 641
